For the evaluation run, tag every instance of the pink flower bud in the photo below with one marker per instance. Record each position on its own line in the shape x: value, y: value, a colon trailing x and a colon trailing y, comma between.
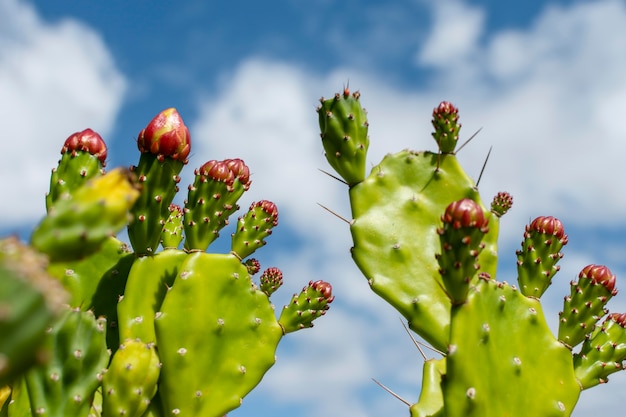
x: 465, y: 213
x: 86, y: 141
x: 166, y: 136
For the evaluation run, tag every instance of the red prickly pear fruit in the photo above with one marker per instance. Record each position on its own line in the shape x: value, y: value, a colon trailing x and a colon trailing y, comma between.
x: 271, y: 280
x: 166, y: 136
x: 447, y: 126
x: 501, y: 203
x: 87, y: 141
x: 305, y: 307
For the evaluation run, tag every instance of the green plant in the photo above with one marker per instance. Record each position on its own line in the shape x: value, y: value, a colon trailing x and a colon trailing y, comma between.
x: 145, y: 331
x: 427, y: 244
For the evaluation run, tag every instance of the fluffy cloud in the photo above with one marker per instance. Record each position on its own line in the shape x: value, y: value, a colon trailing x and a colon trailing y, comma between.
x: 55, y: 79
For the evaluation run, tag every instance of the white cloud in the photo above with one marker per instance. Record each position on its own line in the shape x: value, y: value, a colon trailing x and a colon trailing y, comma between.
x: 55, y: 79
x: 456, y: 31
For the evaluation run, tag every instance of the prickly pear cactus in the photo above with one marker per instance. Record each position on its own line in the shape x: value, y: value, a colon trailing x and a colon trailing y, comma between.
x: 427, y: 244
x: 142, y: 331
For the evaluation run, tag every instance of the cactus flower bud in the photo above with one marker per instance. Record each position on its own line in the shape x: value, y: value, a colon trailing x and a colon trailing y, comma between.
x: 501, y: 203
x: 253, y: 265
x: 600, y: 274
x: 240, y: 171
x: 307, y: 306
x: 325, y: 289
x: 271, y: 280
x: 87, y: 141
x: 447, y: 126
x: 550, y: 226
x: 166, y: 136
x: 465, y: 213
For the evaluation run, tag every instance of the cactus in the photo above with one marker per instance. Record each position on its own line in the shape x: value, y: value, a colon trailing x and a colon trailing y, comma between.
x: 66, y: 384
x: 164, y: 145
x: 131, y: 380
x: 83, y: 157
x: 428, y: 245
x: 30, y: 300
x: 145, y: 332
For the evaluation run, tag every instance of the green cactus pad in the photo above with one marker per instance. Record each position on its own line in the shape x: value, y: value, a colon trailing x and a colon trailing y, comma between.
x: 430, y: 403
x: 211, y: 199
x: 96, y: 282
x: 396, y: 211
x: 66, y: 384
x: 148, y: 282
x: 253, y: 227
x: 304, y: 308
x: 78, y: 226
x: 81, y: 278
x: 84, y: 154
x: 603, y: 353
x: 541, y: 250
x: 131, y: 380
x: 72, y: 173
x: 216, y: 336
x: 500, y: 340
x: 464, y: 225
x: 172, y: 233
x: 343, y: 125
x: 585, y: 305
x: 30, y: 300
x: 447, y: 126
x: 158, y: 179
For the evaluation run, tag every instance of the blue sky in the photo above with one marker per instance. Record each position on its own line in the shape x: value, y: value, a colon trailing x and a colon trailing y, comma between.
x: 545, y: 81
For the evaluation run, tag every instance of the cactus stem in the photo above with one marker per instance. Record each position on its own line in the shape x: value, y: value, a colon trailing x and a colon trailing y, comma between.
x: 349, y: 222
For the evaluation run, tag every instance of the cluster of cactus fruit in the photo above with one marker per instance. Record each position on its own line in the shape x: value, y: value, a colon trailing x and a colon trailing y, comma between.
x: 427, y: 245
x: 91, y: 327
